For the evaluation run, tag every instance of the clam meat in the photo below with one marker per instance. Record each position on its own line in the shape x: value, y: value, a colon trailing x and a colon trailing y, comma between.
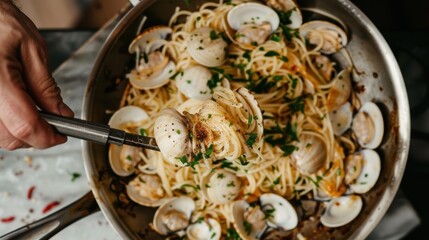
x: 122, y: 159
x: 147, y: 190
x: 288, y: 6
x: 249, y: 221
x: 173, y: 215
x: 368, y: 126
x: 250, y: 24
x: 278, y: 211
x: 325, y: 35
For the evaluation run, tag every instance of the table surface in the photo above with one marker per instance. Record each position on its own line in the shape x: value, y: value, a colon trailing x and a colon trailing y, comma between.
x: 57, y: 174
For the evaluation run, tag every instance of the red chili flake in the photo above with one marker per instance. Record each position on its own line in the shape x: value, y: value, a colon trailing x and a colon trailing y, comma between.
x: 294, y: 67
x: 30, y: 192
x: 8, y: 219
x: 49, y: 206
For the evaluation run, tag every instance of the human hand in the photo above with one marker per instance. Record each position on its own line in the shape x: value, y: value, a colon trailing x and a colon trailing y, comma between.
x: 25, y: 82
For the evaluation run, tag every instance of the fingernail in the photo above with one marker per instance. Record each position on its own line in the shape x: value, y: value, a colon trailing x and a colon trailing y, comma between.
x: 65, y: 110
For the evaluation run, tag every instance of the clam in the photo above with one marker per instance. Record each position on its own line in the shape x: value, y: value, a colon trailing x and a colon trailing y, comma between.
x: 280, y: 213
x: 340, y: 91
x: 325, y: 66
x: 150, y: 76
x: 328, y: 36
x: 171, y: 130
x: 174, y: 215
x: 191, y: 106
x: 295, y: 17
x: 249, y: 24
x: 146, y: 190
x: 342, y: 210
x: 122, y: 159
x: 341, y: 119
x: 148, y: 41
x: 221, y: 186
x: 204, y: 229
x: 193, y: 82
x: 368, y: 126
x: 310, y: 154
x: 253, y: 110
x: 249, y: 221
x: 362, y: 171
x: 205, y: 49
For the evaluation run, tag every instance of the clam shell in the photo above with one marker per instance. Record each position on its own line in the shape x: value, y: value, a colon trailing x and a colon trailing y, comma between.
x: 284, y: 214
x: 368, y: 126
x: 369, y: 174
x: 248, y: 99
x: 340, y: 91
x: 286, y: 6
x: 121, y: 117
x: 183, y: 205
x: 341, y: 119
x: 206, y: 229
x: 156, y: 80
x: 221, y: 186
x: 310, y: 155
x: 204, y: 50
x: 172, y: 135
x: 335, y: 39
x: 342, y: 210
x: 238, y: 210
x: 193, y: 82
x: 251, y: 12
x: 149, y: 36
x: 144, y: 185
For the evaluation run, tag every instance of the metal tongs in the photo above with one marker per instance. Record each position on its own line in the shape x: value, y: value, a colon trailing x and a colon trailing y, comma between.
x: 96, y: 132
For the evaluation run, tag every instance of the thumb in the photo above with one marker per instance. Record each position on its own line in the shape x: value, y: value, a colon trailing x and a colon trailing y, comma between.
x: 41, y: 85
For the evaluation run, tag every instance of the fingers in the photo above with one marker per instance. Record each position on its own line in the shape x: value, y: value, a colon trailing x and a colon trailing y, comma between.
x: 41, y: 86
x: 21, y: 124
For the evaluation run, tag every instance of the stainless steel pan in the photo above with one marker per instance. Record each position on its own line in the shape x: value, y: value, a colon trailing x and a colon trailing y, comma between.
x: 372, y: 56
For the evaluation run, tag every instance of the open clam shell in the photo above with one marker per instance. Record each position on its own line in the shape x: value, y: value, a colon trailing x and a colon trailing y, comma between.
x: 368, y: 126
x: 250, y: 24
x: 340, y: 91
x: 248, y: 221
x: 146, y: 190
x: 341, y: 118
x: 206, y: 50
x: 281, y: 214
x: 148, y: 41
x: 295, y: 17
x: 155, y: 80
x: 205, y: 229
x: 174, y: 215
x: 193, y: 82
x: 369, y: 173
x: 332, y: 37
x: 122, y: 159
x: 342, y: 210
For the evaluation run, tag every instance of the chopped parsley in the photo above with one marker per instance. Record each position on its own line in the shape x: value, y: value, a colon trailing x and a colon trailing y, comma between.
x: 209, y: 151
x: 184, y: 186
x: 214, y: 35
x: 249, y: 120
x: 129, y: 158
x: 231, y: 184
x: 296, y: 104
x: 315, y: 182
x: 247, y: 56
x: 143, y: 132
x: 231, y: 234
x: 226, y: 164
x: 282, y: 137
x: 176, y: 74
x: 243, y: 160
x: 178, y: 131
x: 276, y: 181
x: 272, y: 54
x: 220, y: 175
x: 251, y: 139
x: 247, y: 227
x: 75, y: 176
x: 284, y: 59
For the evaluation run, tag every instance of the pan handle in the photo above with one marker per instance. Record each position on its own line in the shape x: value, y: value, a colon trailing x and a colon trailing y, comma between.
x: 47, y: 227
